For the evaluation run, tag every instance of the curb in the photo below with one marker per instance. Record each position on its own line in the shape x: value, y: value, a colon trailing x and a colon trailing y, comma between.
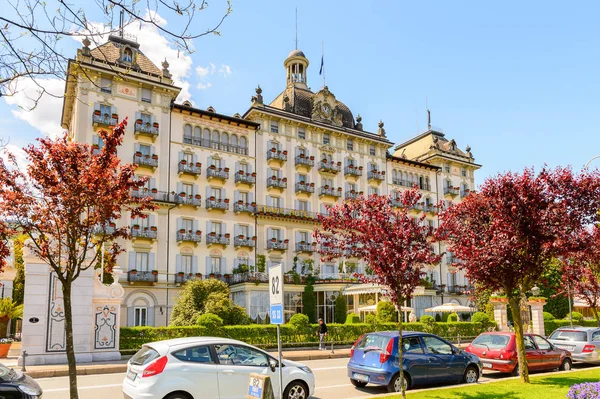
x: 82, y: 370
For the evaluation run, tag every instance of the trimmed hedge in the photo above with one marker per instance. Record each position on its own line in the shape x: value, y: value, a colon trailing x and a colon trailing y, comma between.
x: 266, y: 335
x: 551, y: 325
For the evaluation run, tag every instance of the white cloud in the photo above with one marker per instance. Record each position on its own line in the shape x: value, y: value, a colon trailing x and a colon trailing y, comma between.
x: 20, y: 156
x: 225, y: 70
x: 204, y: 86
x: 203, y: 72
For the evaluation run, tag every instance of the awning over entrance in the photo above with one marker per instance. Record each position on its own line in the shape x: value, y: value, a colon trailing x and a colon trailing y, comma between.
x: 363, y: 289
x: 373, y: 309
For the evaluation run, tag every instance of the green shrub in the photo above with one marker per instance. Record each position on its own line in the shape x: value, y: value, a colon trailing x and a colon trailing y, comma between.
x: 352, y: 318
x: 210, y: 321
x: 452, y: 318
x: 300, y: 322
x: 548, y: 316
x: 480, y: 317
x: 489, y: 310
x: 386, y: 312
x: 370, y: 318
x: 308, y: 301
x: 426, y: 319
x: 438, y: 318
x: 577, y: 317
x: 340, y: 310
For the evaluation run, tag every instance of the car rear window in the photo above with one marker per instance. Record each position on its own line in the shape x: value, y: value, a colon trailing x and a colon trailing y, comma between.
x: 144, y: 356
x: 199, y: 354
x: 569, y: 335
x: 491, y: 341
x: 374, y: 342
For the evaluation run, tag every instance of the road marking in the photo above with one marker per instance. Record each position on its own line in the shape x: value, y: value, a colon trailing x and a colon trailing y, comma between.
x: 86, y: 387
x: 333, y: 386
x: 329, y: 368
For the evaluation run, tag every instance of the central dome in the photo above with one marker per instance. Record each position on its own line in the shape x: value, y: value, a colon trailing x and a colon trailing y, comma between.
x: 296, y: 53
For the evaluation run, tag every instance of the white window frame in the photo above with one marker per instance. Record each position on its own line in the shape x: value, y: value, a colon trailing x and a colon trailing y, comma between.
x: 140, y: 313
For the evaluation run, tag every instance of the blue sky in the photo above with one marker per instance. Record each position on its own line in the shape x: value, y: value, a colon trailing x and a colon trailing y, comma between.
x: 517, y: 81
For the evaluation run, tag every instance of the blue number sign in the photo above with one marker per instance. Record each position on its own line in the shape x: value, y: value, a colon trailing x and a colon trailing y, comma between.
x: 276, y: 314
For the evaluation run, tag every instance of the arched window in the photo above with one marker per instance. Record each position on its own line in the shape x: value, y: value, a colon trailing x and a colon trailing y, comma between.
x: 243, y: 142
x: 197, y: 136
x: 215, y: 139
x: 394, y: 175
x: 187, y: 134
x: 421, y: 182
x: 127, y: 55
x: 234, y: 140
x: 206, y: 137
x: 225, y: 141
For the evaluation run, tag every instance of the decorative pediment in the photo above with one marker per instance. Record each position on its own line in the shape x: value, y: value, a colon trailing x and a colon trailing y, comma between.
x: 328, y: 149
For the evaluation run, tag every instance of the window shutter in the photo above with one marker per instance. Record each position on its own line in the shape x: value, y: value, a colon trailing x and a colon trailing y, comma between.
x: 251, y: 230
x: 237, y: 167
x: 208, y: 227
x: 96, y: 106
x: 195, y: 225
x: 236, y: 229
x: 152, y: 220
x: 152, y: 183
x: 208, y: 192
x: 138, y: 115
x: 224, y: 228
x: 152, y: 261
x: 308, y: 206
x: 195, y: 158
x: 113, y: 110
x: 210, y: 161
x: 130, y: 317
x: 223, y: 193
x: 152, y: 119
x: 236, y: 196
x: 195, y: 264
x: 194, y: 189
x: 179, y: 224
x: 298, y: 237
x: 223, y: 265
x: 269, y: 200
x: 236, y: 263
x: 269, y: 233
x: 223, y: 163
x: 95, y: 140
x: 249, y: 168
x: 137, y: 147
x: 179, y: 188
x: 251, y: 196
x: 180, y: 155
x: 207, y: 265
x: 178, y: 267
x: 449, y: 278
x: 131, y: 260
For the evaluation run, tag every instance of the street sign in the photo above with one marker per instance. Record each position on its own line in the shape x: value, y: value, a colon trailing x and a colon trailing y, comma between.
x: 276, y: 294
x: 276, y: 314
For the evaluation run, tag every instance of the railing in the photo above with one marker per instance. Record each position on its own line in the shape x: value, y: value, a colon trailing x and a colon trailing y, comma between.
x: 146, y: 128
x: 300, y: 247
x: 305, y: 188
x: 144, y: 233
x: 244, y: 242
x: 330, y: 191
x: 217, y: 204
x: 264, y: 210
x: 180, y: 279
x: 217, y: 145
x: 237, y: 207
x: 375, y: 175
x: 145, y: 160
x: 451, y: 191
x: 425, y: 186
x: 106, y: 120
x: 249, y: 277
x: 460, y: 289
x: 397, y: 203
x: 217, y: 239
x: 329, y: 249
x: 246, y: 178
x: 351, y: 195
x: 278, y: 245
x: 188, y: 200
x: 217, y: 174
x: 277, y: 183
x: 336, y: 276
x: 354, y: 171
x: 103, y: 229
x: 329, y: 167
x: 189, y: 168
x: 418, y: 208
x: 464, y: 193
x: 431, y: 208
x: 401, y: 182
x: 189, y: 236
x: 306, y: 161
x: 160, y: 196
x: 142, y: 277
x: 277, y: 155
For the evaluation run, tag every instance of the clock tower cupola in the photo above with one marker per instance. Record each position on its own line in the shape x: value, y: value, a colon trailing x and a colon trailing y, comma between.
x: 295, y: 65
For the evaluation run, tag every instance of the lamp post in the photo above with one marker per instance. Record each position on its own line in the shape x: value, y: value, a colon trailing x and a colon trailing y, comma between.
x: 588, y: 162
x: 535, y: 290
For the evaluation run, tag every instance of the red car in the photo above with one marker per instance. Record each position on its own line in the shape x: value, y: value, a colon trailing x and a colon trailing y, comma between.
x: 498, y: 351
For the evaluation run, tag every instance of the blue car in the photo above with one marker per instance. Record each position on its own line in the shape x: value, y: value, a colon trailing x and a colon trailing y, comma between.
x: 428, y: 359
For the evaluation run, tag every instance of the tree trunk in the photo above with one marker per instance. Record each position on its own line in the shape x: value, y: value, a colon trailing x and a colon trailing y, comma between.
x: 515, y: 308
x: 595, y: 313
x: 66, y: 289
x: 400, y: 354
x: 4, y: 327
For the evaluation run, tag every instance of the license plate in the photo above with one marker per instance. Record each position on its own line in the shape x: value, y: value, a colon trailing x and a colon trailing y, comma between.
x: 361, y: 377
x: 487, y: 365
x: 566, y: 347
x: 131, y: 375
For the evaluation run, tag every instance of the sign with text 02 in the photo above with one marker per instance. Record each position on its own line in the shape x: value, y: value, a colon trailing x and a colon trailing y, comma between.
x: 276, y: 294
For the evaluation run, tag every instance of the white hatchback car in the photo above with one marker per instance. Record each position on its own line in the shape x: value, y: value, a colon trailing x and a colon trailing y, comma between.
x: 208, y: 368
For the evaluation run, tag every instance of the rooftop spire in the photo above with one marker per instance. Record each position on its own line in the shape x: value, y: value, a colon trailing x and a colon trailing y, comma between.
x: 296, y: 28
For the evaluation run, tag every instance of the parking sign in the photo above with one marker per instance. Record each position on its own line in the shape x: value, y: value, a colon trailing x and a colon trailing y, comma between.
x: 276, y: 294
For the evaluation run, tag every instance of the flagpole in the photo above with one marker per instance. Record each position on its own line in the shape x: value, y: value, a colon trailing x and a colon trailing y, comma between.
x: 323, y: 60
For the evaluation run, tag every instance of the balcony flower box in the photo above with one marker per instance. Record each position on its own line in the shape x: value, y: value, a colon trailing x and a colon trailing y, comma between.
x: 182, y: 231
x: 155, y: 125
x: 183, y: 162
x: 154, y: 156
x: 273, y: 150
x: 312, y: 158
x: 198, y: 233
x: 273, y: 178
x: 198, y: 164
x: 154, y: 272
x: 95, y: 146
x: 360, y: 168
x: 97, y: 112
x: 253, y: 203
x: 284, y: 179
x: 273, y: 240
x: 138, y: 122
x: 286, y: 241
x: 154, y: 190
x: 212, y: 167
x: 241, y: 173
x: 197, y: 196
x: 241, y: 236
x: 112, y: 224
x: 212, y: 275
x: 327, y: 187
x: 285, y: 152
x: 227, y: 235
x: 226, y: 170
x: 213, y: 234
x: 138, y: 153
x: 198, y: 275
x: 182, y: 194
x: 133, y: 271
x: 227, y: 200
x: 180, y: 274
x: 312, y: 184
x: 153, y: 228
x: 253, y: 174
x: 339, y: 189
x: 254, y: 238
x: 136, y: 226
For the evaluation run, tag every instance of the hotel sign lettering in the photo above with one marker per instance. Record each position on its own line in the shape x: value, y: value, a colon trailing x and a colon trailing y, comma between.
x: 284, y: 212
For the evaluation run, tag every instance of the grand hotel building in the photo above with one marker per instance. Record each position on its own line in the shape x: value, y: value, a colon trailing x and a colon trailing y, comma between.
x: 239, y: 193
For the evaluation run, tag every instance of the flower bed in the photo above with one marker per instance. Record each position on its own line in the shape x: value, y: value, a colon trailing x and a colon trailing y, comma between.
x: 587, y: 390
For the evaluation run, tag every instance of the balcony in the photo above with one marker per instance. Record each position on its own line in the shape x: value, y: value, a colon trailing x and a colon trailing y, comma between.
x: 451, y: 192
x: 150, y: 161
x: 188, y: 199
x: 105, y: 120
x: 330, y: 167
x: 183, y: 236
x: 431, y: 209
x: 417, y: 208
x: 353, y: 195
x: 397, y: 203
x: 400, y: 182
x: 145, y: 233
x: 277, y: 245
x: 104, y: 230
x: 303, y: 160
x: 274, y: 182
x: 305, y: 188
x: 242, y: 241
x: 425, y: 186
x: 376, y: 175
x: 243, y: 208
x: 304, y: 247
x: 277, y: 156
x: 245, y: 178
x: 146, y: 129
x: 332, y: 192
x: 217, y: 204
x: 217, y: 173
x: 135, y: 276
x: 216, y: 145
x: 155, y: 195
x: 353, y: 171
x: 460, y: 289
x: 189, y: 168
x: 284, y: 213
x: 464, y: 193
x: 217, y: 239
x: 181, y: 278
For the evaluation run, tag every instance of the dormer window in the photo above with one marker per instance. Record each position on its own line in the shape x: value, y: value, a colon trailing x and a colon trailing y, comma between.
x: 127, y: 55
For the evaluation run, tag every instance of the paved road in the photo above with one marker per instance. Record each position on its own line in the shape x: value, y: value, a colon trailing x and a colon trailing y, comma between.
x: 332, y: 383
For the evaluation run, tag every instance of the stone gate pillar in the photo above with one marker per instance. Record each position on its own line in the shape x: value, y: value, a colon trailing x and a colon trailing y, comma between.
x: 537, y: 316
x: 500, y: 314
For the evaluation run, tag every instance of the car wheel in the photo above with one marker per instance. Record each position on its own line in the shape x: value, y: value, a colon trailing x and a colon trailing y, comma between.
x: 296, y: 390
x: 177, y: 395
x: 394, y: 385
x: 566, y: 365
x: 516, y: 372
x: 471, y: 375
x: 358, y: 384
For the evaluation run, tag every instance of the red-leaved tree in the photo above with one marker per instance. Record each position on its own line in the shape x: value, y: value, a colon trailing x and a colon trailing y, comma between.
x: 64, y: 202
x: 396, y: 246
x: 507, y: 233
x: 581, y: 271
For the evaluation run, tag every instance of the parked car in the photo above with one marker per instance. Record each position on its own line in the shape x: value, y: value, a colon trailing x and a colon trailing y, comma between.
x: 582, y: 342
x: 498, y: 352
x: 16, y: 385
x: 207, y: 367
x: 428, y: 359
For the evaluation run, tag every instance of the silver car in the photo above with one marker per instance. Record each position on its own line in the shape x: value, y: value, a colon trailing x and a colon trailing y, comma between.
x: 582, y: 342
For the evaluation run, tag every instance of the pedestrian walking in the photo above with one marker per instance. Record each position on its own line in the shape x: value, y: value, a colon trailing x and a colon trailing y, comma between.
x: 322, y: 333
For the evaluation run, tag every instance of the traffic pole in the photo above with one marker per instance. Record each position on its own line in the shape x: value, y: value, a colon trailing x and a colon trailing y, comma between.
x: 280, y: 365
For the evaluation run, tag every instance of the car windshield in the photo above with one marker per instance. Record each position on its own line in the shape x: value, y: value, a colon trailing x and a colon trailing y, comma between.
x: 491, y: 341
x: 144, y: 356
x: 373, y: 342
x: 6, y: 374
x: 569, y: 335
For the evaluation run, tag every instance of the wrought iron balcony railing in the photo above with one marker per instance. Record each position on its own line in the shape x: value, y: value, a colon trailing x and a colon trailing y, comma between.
x: 190, y: 168
x: 145, y: 232
x: 188, y: 200
x: 246, y: 178
x: 276, y: 183
x: 305, y: 247
x: 277, y: 245
x: 146, y: 160
x: 217, y: 239
x: 146, y: 128
x: 453, y: 191
x: 141, y: 276
x: 376, y: 175
x: 333, y: 192
x: 329, y: 167
x: 305, y: 188
x: 217, y: 204
x: 244, y: 242
x: 241, y: 208
x: 214, y: 173
x: 105, y: 120
x: 189, y: 236
x: 352, y: 171
x: 277, y: 155
x: 305, y: 161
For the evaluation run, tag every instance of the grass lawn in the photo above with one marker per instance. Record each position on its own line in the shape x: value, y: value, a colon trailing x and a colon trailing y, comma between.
x: 553, y: 386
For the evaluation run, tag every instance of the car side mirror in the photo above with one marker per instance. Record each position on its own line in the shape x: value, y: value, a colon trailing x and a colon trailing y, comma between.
x: 456, y: 351
x: 272, y: 365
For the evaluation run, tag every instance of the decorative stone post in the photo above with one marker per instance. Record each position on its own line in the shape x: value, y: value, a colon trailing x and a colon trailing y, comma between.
x: 500, y: 315
x: 537, y: 315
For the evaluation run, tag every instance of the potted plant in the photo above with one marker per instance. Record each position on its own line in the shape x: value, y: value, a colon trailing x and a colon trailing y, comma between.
x: 253, y: 174
x: 138, y: 122
x: 284, y: 152
x: 241, y: 236
x: 360, y: 168
x: 154, y: 190
x: 198, y: 164
x: 218, y: 275
x: 9, y: 310
x: 211, y: 275
x: 154, y: 272
x: 182, y: 194
x: 273, y: 178
x: 227, y: 235
x: 198, y: 275
x: 302, y: 156
x: 182, y: 231
x: 183, y: 162
x: 213, y: 234
x: 180, y: 274
x: 273, y: 239
x: 253, y: 203
x: 226, y: 170
x: 227, y: 200
x: 327, y: 187
x: 136, y: 226
x: 212, y: 198
x: 312, y: 158
x: 155, y: 124
x: 254, y: 238
x: 198, y: 196
x: 212, y: 167
x: 112, y: 224
x: 198, y: 232
x: 284, y: 179
x: 133, y: 272
x: 153, y: 228
x: 314, y: 244
x: 95, y: 146
x: 155, y: 157
x: 273, y: 150
x: 97, y: 112
x: 312, y: 184
x: 138, y: 153
x: 339, y: 189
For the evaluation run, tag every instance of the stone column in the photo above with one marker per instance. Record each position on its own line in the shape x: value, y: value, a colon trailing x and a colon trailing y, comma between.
x: 355, y: 302
x: 500, y: 315
x: 537, y: 317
